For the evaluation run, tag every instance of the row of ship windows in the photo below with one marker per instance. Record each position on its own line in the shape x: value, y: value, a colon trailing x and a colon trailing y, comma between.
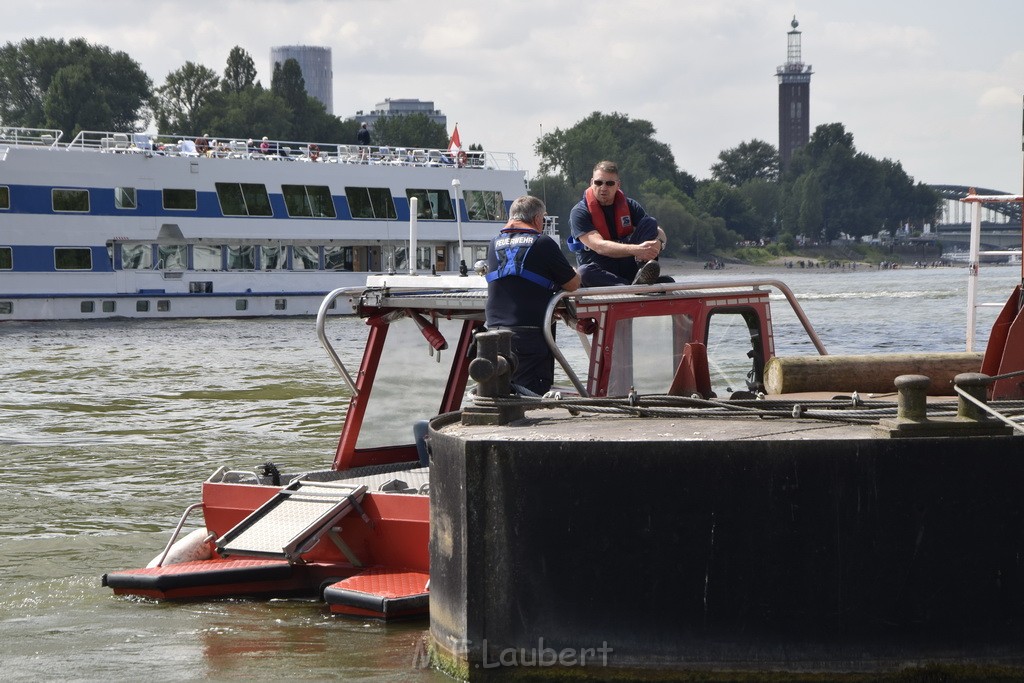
x: 302, y: 201
x: 145, y: 306
x: 178, y: 257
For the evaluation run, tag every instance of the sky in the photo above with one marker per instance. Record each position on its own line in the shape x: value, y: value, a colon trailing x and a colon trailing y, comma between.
x: 934, y: 84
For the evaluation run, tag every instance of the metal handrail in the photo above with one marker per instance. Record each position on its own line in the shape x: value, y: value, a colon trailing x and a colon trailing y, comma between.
x: 177, y: 530
x: 673, y: 287
x: 321, y: 321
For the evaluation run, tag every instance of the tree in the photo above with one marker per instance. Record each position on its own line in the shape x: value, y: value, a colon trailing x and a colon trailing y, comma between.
x: 754, y: 160
x: 183, y: 94
x: 410, y: 130
x: 715, y: 198
x: 117, y: 90
x: 240, y: 72
x: 572, y: 153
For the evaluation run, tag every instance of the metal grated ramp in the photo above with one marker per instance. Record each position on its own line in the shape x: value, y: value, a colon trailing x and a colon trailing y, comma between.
x: 291, y: 523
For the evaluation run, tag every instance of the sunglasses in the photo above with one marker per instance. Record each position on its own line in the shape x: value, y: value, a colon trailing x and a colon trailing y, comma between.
x: 609, y: 183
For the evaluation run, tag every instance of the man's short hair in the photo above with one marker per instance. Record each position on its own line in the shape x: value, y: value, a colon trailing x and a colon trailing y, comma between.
x: 606, y: 167
x: 526, y: 209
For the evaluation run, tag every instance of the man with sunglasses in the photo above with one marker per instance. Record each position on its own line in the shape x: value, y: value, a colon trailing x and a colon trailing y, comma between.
x: 615, y: 241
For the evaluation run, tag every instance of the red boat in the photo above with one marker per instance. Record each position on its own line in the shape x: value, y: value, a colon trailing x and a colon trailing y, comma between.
x: 357, y: 534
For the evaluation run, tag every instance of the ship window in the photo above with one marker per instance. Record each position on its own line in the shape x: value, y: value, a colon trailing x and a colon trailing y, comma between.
x: 6, y: 258
x: 124, y: 198
x: 432, y: 204
x: 109, y: 306
x: 136, y: 256
x: 163, y: 305
x: 371, y: 202
x: 72, y: 258
x: 241, y: 304
x: 70, y: 200
x: 310, y: 201
x: 6, y: 307
x: 142, y: 306
x: 338, y: 258
x: 423, y: 255
x: 88, y: 306
x: 174, y: 257
x: 274, y: 258
x: 5, y: 197
x: 305, y: 258
x: 205, y: 257
x: 243, y: 199
x: 735, y: 355
x: 180, y: 200
x: 241, y: 257
x: 280, y: 304
x: 646, y: 353
x: 485, y: 205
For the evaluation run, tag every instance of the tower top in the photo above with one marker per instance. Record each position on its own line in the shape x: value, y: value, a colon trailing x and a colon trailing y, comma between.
x: 794, y: 70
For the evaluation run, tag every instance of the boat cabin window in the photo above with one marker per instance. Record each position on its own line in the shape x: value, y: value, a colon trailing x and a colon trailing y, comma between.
x: 647, y: 352
x: 70, y: 200
x: 423, y: 258
x: 409, y: 384
x: 125, y: 198
x: 136, y: 256
x: 172, y: 257
x: 6, y: 258
x: 206, y: 257
x: 274, y: 257
x: 432, y: 204
x: 338, y: 258
x: 179, y: 200
x: 243, y: 199
x: 371, y: 202
x: 72, y: 258
x: 5, y: 197
x: 305, y: 258
x: 241, y: 257
x: 308, y: 201
x: 735, y: 358
x: 485, y: 205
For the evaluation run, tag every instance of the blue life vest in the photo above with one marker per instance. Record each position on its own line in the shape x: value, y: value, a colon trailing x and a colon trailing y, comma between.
x: 510, y: 250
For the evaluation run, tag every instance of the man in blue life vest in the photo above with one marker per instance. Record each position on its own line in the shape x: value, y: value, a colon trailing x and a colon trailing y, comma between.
x: 615, y: 241
x: 524, y: 268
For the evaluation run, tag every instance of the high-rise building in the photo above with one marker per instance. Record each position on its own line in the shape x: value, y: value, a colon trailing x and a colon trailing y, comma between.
x: 794, y: 99
x: 315, y: 63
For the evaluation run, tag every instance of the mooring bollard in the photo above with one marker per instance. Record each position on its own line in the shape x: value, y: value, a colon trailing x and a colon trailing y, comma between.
x: 912, y: 402
x: 492, y: 371
x: 974, y: 384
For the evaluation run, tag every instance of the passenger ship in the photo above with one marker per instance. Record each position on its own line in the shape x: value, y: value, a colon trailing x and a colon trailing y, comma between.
x: 154, y: 226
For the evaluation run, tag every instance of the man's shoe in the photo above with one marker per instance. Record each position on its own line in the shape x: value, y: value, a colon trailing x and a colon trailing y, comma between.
x: 648, y: 274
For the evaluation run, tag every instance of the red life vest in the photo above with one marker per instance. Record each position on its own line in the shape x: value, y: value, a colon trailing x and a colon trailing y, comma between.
x: 623, y: 223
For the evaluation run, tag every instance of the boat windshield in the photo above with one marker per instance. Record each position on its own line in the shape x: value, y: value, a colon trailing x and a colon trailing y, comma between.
x: 409, y: 385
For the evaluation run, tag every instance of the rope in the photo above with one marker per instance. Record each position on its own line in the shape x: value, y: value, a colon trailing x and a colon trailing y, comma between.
x: 853, y: 411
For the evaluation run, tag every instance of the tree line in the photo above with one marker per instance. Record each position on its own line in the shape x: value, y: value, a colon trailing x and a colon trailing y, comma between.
x: 829, y: 190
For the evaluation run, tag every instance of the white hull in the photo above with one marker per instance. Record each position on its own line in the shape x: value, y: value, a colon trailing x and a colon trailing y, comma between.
x: 107, y: 257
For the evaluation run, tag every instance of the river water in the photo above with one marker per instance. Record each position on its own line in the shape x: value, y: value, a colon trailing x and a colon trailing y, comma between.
x: 107, y: 430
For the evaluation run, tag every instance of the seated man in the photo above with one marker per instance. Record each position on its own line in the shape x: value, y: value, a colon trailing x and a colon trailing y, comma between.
x: 525, y: 267
x: 615, y: 241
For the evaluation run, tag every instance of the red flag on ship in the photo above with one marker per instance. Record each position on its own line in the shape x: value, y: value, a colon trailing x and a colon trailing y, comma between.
x: 455, y: 144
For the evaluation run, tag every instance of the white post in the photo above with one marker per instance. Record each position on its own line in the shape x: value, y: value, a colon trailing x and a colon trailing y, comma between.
x: 972, y: 275
x: 457, y: 184
x: 413, y: 215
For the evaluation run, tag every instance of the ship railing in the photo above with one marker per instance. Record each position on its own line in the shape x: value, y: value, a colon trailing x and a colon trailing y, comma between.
x: 35, y: 137
x: 164, y: 144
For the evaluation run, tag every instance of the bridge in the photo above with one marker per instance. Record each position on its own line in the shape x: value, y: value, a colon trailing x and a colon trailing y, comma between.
x: 1000, y: 223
